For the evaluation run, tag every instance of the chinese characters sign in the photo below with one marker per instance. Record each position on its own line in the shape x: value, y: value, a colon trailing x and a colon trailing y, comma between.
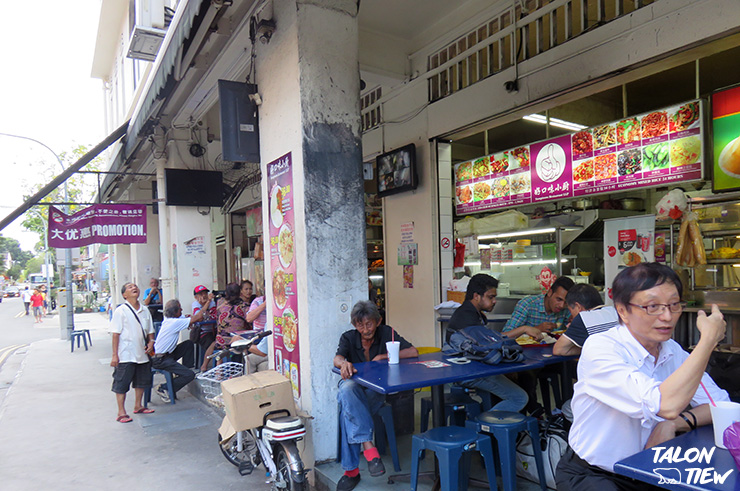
x: 647, y: 150
x: 283, y: 270
x: 98, y: 224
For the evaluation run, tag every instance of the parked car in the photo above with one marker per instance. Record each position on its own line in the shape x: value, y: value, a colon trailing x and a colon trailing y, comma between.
x: 12, y: 291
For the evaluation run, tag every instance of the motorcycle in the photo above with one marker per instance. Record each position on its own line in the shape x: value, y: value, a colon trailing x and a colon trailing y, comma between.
x: 274, y: 443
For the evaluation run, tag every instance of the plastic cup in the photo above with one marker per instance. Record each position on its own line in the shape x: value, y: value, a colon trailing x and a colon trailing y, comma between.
x: 723, y: 415
x: 393, y: 348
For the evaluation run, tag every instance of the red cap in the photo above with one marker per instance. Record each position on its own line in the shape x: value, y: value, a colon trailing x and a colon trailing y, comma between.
x: 200, y: 288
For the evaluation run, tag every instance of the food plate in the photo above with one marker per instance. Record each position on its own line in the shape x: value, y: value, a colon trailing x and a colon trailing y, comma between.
x: 279, y: 287
x: 290, y: 329
x: 285, y: 245
x: 632, y: 258
x: 276, y: 206
x: 464, y: 194
x: 527, y: 341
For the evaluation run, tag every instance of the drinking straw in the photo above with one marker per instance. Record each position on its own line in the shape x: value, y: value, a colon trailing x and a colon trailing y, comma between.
x: 393, y: 337
x: 707, y: 392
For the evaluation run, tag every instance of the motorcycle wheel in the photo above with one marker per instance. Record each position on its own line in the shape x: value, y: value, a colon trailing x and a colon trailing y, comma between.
x: 229, y: 448
x: 284, y: 475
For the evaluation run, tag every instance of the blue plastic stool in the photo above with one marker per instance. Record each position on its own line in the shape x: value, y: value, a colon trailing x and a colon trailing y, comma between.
x: 453, y: 445
x: 78, y: 335
x: 455, y: 403
x: 382, y: 419
x: 170, y: 391
x: 505, y: 427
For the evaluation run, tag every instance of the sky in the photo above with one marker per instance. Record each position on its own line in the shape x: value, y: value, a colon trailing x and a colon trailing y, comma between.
x: 46, y: 93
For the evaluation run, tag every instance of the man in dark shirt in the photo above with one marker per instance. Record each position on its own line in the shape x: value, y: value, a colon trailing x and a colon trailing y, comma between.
x: 357, y: 404
x: 480, y: 297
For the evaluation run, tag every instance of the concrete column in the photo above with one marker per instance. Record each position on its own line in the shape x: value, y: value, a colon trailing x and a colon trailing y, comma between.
x: 308, y: 78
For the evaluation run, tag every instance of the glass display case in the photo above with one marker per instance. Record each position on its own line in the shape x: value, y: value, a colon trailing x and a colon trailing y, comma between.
x: 719, y: 222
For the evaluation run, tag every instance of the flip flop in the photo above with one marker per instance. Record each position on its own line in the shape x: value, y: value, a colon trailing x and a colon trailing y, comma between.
x: 124, y: 419
x: 144, y: 410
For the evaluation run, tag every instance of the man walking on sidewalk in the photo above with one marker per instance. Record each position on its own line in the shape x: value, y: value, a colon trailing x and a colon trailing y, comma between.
x: 26, y: 299
x: 133, y: 341
x: 167, y: 351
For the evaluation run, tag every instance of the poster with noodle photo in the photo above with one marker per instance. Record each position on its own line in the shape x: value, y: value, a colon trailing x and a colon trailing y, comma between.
x: 283, y: 270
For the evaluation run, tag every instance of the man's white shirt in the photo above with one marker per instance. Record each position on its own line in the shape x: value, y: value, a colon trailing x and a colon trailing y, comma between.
x: 617, y: 397
x: 131, y: 346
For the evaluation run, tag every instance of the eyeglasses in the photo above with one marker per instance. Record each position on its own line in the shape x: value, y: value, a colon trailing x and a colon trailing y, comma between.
x: 659, y: 308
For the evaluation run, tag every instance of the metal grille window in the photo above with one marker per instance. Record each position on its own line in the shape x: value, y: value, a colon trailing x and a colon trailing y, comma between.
x: 521, y: 32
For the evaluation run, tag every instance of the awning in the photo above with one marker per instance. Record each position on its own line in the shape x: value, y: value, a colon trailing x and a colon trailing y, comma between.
x: 179, y: 30
x: 82, y: 162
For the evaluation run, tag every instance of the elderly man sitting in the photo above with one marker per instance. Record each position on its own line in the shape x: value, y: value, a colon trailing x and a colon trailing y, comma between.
x: 167, y: 351
x: 357, y: 404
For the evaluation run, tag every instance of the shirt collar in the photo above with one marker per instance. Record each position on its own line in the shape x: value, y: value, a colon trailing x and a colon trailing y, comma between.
x: 638, y: 351
x: 539, y: 304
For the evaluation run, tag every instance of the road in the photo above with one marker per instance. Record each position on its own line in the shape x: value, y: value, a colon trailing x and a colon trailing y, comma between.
x: 16, y: 333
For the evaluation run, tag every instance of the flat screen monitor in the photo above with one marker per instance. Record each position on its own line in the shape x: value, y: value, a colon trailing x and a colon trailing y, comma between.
x: 396, y: 171
x: 185, y: 187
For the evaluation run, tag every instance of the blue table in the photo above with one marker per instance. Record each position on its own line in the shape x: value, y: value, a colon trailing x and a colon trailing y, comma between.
x: 411, y: 373
x: 643, y: 466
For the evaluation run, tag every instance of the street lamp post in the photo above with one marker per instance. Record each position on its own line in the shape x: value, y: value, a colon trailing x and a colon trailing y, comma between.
x: 67, y: 322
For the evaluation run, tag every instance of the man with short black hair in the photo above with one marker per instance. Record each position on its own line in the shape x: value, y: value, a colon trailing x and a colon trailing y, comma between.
x: 168, y: 351
x: 543, y: 312
x: 480, y: 297
x: 589, y: 317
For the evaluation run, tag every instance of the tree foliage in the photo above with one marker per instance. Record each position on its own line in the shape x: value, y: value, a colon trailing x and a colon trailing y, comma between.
x: 18, y: 256
x: 81, y: 189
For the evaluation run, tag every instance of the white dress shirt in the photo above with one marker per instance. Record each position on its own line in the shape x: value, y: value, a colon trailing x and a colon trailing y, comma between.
x: 617, y: 397
x: 131, y: 346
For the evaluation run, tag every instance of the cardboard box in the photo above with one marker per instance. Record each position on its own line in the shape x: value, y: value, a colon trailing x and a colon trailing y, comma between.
x: 248, y: 398
x: 458, y: 297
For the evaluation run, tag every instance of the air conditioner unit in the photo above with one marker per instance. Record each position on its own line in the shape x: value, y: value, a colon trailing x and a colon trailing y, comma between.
x: 145, y: 42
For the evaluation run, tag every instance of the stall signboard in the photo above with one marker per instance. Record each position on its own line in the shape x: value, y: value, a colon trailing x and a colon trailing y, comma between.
x: 97, y: 224
x: 627, y: 242
x: 283, y: 270
x: 643, y: 151
x: 726, y: 135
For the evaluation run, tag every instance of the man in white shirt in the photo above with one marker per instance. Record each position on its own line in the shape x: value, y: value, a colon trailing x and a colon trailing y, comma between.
x: 634, y: 381
x: 133, y: 340
x: 168, y: 351
x: 26, y: 299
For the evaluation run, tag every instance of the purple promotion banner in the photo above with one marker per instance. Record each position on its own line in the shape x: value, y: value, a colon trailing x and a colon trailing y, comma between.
x: 98, y: 224
x: 552, y: 176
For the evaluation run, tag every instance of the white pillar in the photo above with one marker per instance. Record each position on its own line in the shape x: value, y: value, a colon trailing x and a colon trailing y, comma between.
x: 308, y: 78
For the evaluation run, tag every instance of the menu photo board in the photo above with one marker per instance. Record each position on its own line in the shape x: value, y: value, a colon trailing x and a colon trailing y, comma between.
x: 283, y: 271
x: 726, y: 139
x: 647, y: 150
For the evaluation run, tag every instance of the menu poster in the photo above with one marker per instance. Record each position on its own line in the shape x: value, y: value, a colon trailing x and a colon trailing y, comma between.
x: 647, y: 150
x: 627, y: 242
x: 283, y: 270
x: 726, y: 135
